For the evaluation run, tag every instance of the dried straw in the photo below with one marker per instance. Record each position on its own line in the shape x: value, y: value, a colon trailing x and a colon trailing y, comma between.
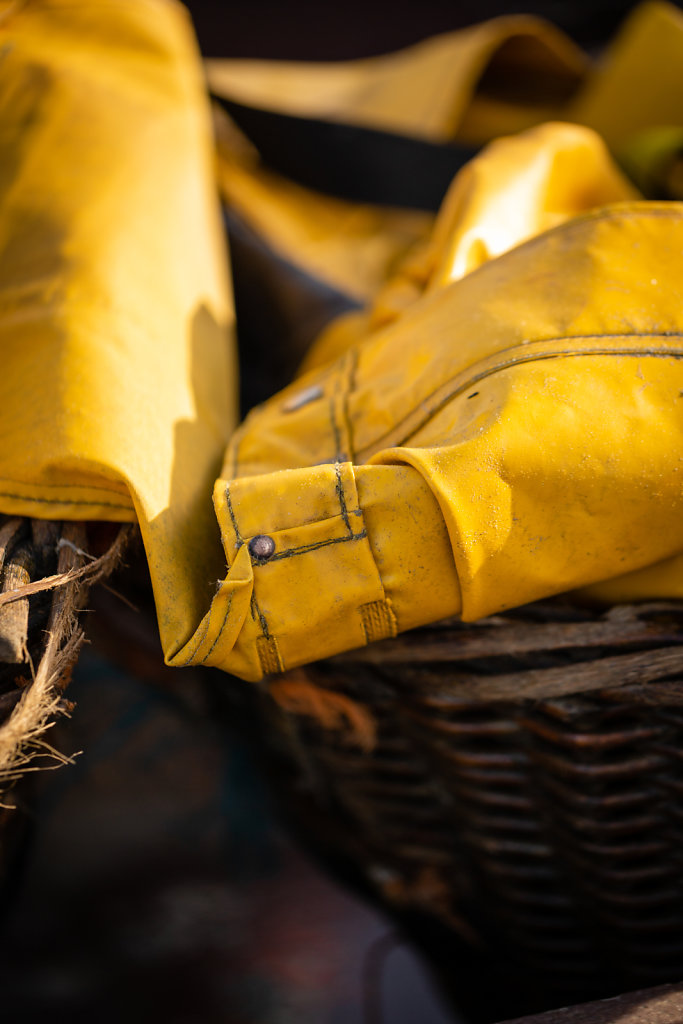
x: 23, y: 743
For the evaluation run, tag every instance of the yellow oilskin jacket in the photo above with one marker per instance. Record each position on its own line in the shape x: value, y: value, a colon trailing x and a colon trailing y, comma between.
x: 499, y: 419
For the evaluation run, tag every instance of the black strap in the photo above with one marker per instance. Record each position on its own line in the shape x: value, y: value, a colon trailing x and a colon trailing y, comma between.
x: 280, y: 310
x: 350, y: 161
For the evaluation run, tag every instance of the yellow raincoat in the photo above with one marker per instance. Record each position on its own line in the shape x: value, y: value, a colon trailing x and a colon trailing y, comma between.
x: 500, y: 420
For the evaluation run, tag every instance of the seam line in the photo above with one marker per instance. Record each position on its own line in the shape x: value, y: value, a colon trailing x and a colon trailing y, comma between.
x: 256, y: 613
x: 342, y: 499
x: 201, y: 640
x: 233, y: 517
x: 305, y: 548
x: 220, y: 631
x: 520, y: 360
x: 67, y: 501
x: 255, y: 610
x: 350, y: 387
x: 68, y: 487
x: 235, y: 450
x: 336, y: 434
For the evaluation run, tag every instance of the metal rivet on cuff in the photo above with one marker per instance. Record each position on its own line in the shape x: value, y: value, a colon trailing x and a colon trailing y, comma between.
x: 261, y: 547
x: 301, y: 398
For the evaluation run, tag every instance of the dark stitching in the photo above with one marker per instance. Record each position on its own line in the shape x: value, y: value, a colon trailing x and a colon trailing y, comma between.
x: 255, y: 610
x: 351, y: 384
x: 308, y: 522
x: 339, y: 486
x: 66, y: 501
x: 521, y: 361
x: 338, y: 441
x: 220, y: 631
x: 233, y: 517
x: 71, y: 487
x: 339, y: 455
x: 262, y: 620
x: 305, y: 548
x: 342, y: 499
x: 663, y: 354
x: 256, y: 613
x: 236, y: 448
x: 184, y: 664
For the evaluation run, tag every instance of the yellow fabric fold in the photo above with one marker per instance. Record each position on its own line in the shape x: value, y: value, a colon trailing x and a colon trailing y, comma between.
x: 510, y: 72
x: 516, y: 188
x: 502, y: 421
x: 116, y: 392
x: 639, y: 81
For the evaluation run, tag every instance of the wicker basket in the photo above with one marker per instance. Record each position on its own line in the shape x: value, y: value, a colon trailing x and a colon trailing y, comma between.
x: 519, y: 780
x: 512, y: 788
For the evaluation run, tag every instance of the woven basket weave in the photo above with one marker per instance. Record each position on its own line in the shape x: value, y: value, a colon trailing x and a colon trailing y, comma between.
x: 517, y: 781
x: 520, y: 779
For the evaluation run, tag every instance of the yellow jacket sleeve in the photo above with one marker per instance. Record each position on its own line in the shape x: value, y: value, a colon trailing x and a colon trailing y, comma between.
x: 514, y: 433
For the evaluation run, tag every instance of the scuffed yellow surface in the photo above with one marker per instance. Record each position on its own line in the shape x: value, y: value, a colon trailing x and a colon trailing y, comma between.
x: 117, y: 378
x: 502, y: 421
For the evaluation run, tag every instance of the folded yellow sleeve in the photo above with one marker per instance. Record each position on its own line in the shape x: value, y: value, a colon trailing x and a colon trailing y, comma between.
x: 117, y: 379
x: 516, y: 432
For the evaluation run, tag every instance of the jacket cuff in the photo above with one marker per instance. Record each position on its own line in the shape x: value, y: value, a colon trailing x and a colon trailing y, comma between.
x: 318, y: 558
x: 316, y: 588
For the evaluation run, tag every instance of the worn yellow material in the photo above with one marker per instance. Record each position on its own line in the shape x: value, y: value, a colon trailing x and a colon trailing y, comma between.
x: 526, y: 441
x: 116, y: 390
x: 501, y: 422
x: 516, y: 189
x: 639, y: 83
x: 431, y: 90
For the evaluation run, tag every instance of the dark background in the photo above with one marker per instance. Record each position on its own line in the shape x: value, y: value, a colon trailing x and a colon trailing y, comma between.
x: 309, y: 30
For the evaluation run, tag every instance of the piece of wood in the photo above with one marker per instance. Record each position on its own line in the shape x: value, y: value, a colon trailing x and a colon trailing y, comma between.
x: 17, y: 572
x: 626, y: 625
x: 626, y: 670
x: 10, y: 530
x: 662, y: 1005
x: 45, y: 534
